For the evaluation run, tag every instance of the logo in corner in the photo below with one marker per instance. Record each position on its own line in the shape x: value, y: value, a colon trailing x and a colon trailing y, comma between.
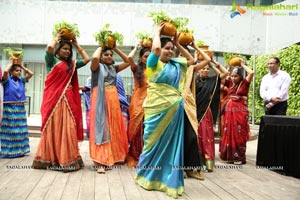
x: 236, y: 10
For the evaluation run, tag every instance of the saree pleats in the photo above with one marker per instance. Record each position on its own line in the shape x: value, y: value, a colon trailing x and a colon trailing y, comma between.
x: 136, y: 126
x: 161, y: 162
x: 206, y: 139
x: 116, y: 149
x: 136, y: 146
x: 235, y: 132
x: 58, y: 147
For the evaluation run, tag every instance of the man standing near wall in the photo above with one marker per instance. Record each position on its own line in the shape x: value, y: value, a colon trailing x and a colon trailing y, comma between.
x: 274, y: 88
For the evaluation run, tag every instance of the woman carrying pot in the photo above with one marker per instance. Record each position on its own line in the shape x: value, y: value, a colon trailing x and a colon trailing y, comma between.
x: 14, y: 135
x: 62, y: 125
x: 161, y: 164
x: 236, y: 129
x: 208, y: 106
x: 136, y: 111
x: 108, y: 137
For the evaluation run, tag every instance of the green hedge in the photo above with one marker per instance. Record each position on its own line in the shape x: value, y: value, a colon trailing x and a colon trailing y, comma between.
x: 290, y: 62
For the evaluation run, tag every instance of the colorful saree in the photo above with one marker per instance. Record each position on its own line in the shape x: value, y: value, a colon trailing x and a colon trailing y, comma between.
x: 61, y: 120
x: 87, y: 102
x: 236, y: 127
x: 160, y: 166
x: 136, y: 122
x: 108, y: 138
x: 208, y: 104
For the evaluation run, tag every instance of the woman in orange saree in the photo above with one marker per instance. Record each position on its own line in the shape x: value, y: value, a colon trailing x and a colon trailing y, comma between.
x: 108, y: 137
x: 136, y: 110
x: 61, y: 110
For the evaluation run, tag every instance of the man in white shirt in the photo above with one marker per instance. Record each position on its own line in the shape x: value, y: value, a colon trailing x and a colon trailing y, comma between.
x: 274, y: 88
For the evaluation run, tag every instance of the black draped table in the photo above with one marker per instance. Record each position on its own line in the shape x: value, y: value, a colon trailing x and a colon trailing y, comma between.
x: 279, y: 144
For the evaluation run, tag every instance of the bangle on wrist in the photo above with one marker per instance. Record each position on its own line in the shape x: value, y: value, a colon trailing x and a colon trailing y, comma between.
x: 80, y: 50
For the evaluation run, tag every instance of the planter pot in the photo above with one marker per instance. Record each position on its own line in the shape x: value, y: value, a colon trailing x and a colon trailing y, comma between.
x: 206, y: 50
x: 169, y: 29
x: 209, y: 53
x: 111, y: 42
x: 147, y: 43
x: 66, y: 34
x: 185, y: 38
x: 235, y: 61
x: 204, y: 47
x: 16, y: 59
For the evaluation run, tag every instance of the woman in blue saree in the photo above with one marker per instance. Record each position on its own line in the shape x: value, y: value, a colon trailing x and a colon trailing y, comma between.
x: 161, y: 164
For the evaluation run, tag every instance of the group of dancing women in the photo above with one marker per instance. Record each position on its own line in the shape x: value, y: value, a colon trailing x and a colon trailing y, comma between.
x: 173, y: 110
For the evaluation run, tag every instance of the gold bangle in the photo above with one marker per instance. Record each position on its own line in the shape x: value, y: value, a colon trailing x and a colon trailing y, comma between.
x: 80, y: 50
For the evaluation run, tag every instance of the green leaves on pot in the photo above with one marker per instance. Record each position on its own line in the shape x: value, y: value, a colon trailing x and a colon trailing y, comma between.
x: 102, y: 35
x: 200, y: 43
x: 63, y: 24
x: 143, y: 35
x: 159, y: 16
x: 11, y: 52
x: 179, y: 22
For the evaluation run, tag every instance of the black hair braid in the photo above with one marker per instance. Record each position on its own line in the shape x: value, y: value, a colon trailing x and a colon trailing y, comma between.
x: 140, y: 73
x: 140, y: 67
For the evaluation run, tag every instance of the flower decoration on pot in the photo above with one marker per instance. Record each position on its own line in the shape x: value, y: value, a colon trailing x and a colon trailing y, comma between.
x: 107, y: 38
x: 67, y: 30
x: 169, y: 28
x: 145, y: 39
x: 15, y: 55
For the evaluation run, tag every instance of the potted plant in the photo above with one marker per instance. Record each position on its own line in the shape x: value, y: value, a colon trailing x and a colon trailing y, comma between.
x: 67, y: 30
x: 202, y: 45
x: 145, y: 39
x: 15, y: 55
x: 186, y: 34
x: 169, y: 28
x: 107, y: 38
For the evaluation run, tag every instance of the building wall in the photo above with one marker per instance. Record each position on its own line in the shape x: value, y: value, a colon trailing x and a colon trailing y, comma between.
x: 31, y: 22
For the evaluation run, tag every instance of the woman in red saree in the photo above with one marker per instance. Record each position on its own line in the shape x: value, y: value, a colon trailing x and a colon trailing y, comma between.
x: 136, y: 110
x: 236, y: 127
x: 61, y: 109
